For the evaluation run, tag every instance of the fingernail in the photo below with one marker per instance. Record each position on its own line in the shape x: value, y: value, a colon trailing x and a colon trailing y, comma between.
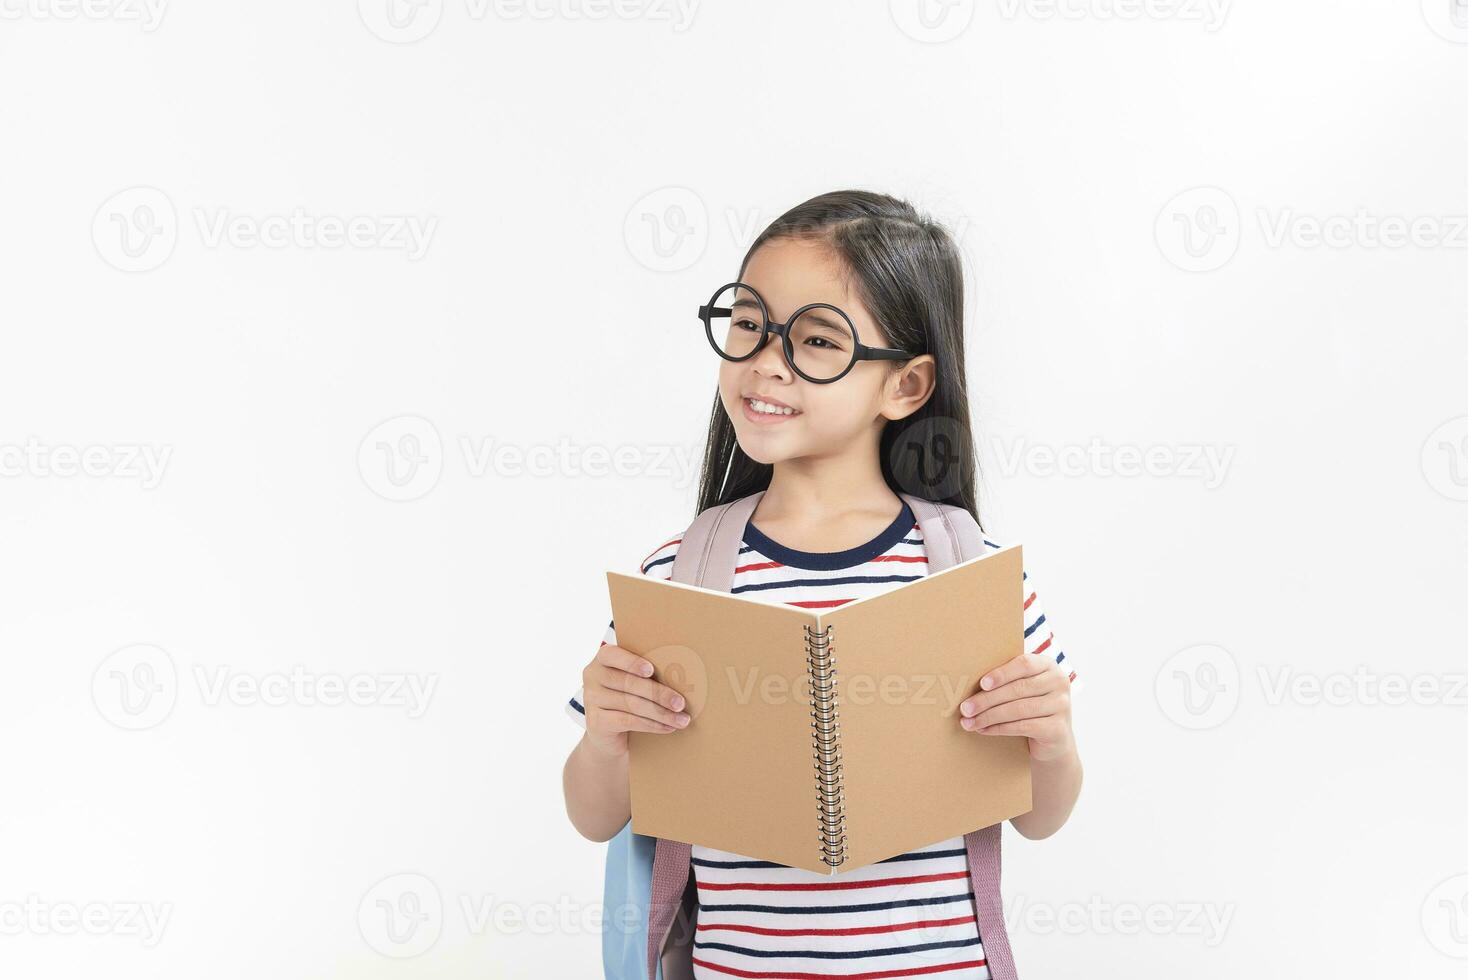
x: 966, y: 709
x: 677, y: 703
x: 647, y: 670
x: 683, y: 721
x: 986, y: 683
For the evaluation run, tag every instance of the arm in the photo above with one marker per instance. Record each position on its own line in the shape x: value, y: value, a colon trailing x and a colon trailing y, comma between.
x: 598, y: 798
x: 1055, y: 785
x: 618, y: 696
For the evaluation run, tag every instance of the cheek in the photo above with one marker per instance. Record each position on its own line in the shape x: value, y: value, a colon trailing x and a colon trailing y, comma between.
x: 729, y: 386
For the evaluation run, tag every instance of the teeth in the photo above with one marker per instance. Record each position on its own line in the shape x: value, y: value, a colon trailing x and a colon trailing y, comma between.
x: 768, y: 409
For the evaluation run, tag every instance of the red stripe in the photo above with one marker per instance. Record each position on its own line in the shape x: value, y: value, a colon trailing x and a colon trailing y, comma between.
x: 818, y: 603
x: 825, y: 886
x: 921, y: 558
x: 853, y: 931
x: 1029, y: 600
x: 1043, y: 646
x: 757, y: 567
x: 1072, y: 675
x: 873, y: 975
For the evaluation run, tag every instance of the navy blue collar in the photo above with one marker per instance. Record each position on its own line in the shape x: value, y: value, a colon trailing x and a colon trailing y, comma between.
x: 830, y: 560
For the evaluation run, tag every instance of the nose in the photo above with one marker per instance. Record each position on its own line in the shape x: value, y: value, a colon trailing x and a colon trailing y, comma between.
x: 770, y: 361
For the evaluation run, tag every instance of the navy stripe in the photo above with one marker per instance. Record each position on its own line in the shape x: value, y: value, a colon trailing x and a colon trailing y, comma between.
x: 577, y: 705
x: 834, y: 909
x: 1036, y: 626
x: 828, y: 561
x: 786, y: 583
x: 660, y: 561
x: 845, y: 954
x: 1060, y: 659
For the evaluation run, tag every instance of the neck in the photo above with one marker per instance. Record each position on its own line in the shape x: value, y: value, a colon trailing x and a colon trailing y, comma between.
x: 814, y: 491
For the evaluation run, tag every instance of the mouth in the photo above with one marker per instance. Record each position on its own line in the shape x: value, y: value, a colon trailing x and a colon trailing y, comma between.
x: 767, y: 412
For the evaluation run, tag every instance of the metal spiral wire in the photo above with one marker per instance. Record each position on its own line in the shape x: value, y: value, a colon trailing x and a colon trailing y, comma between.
x: 825, y: 724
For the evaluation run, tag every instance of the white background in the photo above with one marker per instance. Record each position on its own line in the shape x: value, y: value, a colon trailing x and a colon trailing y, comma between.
x: 585, y: 188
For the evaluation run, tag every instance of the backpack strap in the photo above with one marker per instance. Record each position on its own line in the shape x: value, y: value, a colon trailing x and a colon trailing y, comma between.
x: 709, y: 549
x: 706, y: 556
x: 951, y: 535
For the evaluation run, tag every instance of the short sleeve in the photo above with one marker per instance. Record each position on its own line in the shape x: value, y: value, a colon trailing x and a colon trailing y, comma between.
x: 1039, y: 633
x: 658, y: 564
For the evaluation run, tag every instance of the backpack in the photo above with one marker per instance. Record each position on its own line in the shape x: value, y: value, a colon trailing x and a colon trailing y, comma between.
x: 650, y: 899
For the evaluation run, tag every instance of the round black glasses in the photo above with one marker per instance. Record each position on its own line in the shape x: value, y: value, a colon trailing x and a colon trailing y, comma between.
x: 820, y: 341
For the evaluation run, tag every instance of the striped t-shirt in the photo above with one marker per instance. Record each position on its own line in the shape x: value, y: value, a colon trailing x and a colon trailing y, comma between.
x: 908, y: 916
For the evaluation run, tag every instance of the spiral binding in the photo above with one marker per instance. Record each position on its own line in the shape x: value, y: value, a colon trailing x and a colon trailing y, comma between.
x: 820, y: 660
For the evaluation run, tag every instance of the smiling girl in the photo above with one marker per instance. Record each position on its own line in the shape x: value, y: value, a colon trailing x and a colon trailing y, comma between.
x: 841, y: 384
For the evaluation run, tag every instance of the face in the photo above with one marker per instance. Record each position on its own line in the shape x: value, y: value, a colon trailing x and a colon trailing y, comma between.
x: 814, y: 420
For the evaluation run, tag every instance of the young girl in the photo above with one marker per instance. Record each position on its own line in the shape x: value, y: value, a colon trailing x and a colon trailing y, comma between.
x: 832, y: 412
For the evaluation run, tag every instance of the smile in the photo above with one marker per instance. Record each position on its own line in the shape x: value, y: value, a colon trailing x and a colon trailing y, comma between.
x: 765, y: 413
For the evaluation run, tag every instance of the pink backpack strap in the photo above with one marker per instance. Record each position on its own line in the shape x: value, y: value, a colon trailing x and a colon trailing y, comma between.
x: 710, y: 547
x: 706, y: 557
x: 951, y: 535
x: 671, y: 863
x: 983, y: 871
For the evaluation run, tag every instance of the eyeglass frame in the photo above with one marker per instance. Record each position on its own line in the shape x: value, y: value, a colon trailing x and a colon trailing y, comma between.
x: 860, y: 352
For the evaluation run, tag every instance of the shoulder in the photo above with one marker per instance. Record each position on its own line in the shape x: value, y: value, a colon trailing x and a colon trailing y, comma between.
x: 658, y: 563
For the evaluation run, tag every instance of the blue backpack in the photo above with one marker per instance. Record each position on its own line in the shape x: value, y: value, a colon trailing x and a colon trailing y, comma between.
x: 650, y: 901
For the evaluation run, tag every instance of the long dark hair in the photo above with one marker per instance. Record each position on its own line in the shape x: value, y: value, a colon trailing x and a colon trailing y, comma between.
x: 908, y: 271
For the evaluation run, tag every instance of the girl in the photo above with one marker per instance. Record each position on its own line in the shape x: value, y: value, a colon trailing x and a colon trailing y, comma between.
x: 832, y: 412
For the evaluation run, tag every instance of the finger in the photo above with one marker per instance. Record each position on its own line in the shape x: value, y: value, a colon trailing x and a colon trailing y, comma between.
x: 1022, y: 687
x: 612, y: 720
x: 1013, y: 669
x: 1023, y: 666
x: 1037, y: 707
x: 643, y: 707
x: 619, y: 680
x: 621, y: 658
x: 1031, y: 727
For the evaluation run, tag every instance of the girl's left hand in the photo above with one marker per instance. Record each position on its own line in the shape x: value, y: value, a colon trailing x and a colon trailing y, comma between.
x: 1029, y: 695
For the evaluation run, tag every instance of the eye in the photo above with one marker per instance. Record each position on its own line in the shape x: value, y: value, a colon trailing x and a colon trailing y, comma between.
x: 827, y: 345
x: 746, y: 325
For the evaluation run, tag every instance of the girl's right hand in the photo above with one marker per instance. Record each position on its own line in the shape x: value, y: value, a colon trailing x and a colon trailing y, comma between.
x: 620, y: 696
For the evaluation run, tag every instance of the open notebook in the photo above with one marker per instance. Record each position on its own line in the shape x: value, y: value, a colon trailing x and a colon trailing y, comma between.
x: 826, y: 739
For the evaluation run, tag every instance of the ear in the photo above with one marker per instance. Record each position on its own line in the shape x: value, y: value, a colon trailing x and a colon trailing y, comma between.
x: 909, y: 387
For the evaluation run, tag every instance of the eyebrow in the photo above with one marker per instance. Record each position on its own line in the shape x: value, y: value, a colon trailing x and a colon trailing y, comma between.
x: 830, y: 323
x: 817, y: 315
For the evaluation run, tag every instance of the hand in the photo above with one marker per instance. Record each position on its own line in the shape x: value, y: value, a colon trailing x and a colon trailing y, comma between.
x: 1029, y: 695
x: 620, y: 696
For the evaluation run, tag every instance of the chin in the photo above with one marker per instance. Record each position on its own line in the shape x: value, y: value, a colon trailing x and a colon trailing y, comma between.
x: 756, y: 452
